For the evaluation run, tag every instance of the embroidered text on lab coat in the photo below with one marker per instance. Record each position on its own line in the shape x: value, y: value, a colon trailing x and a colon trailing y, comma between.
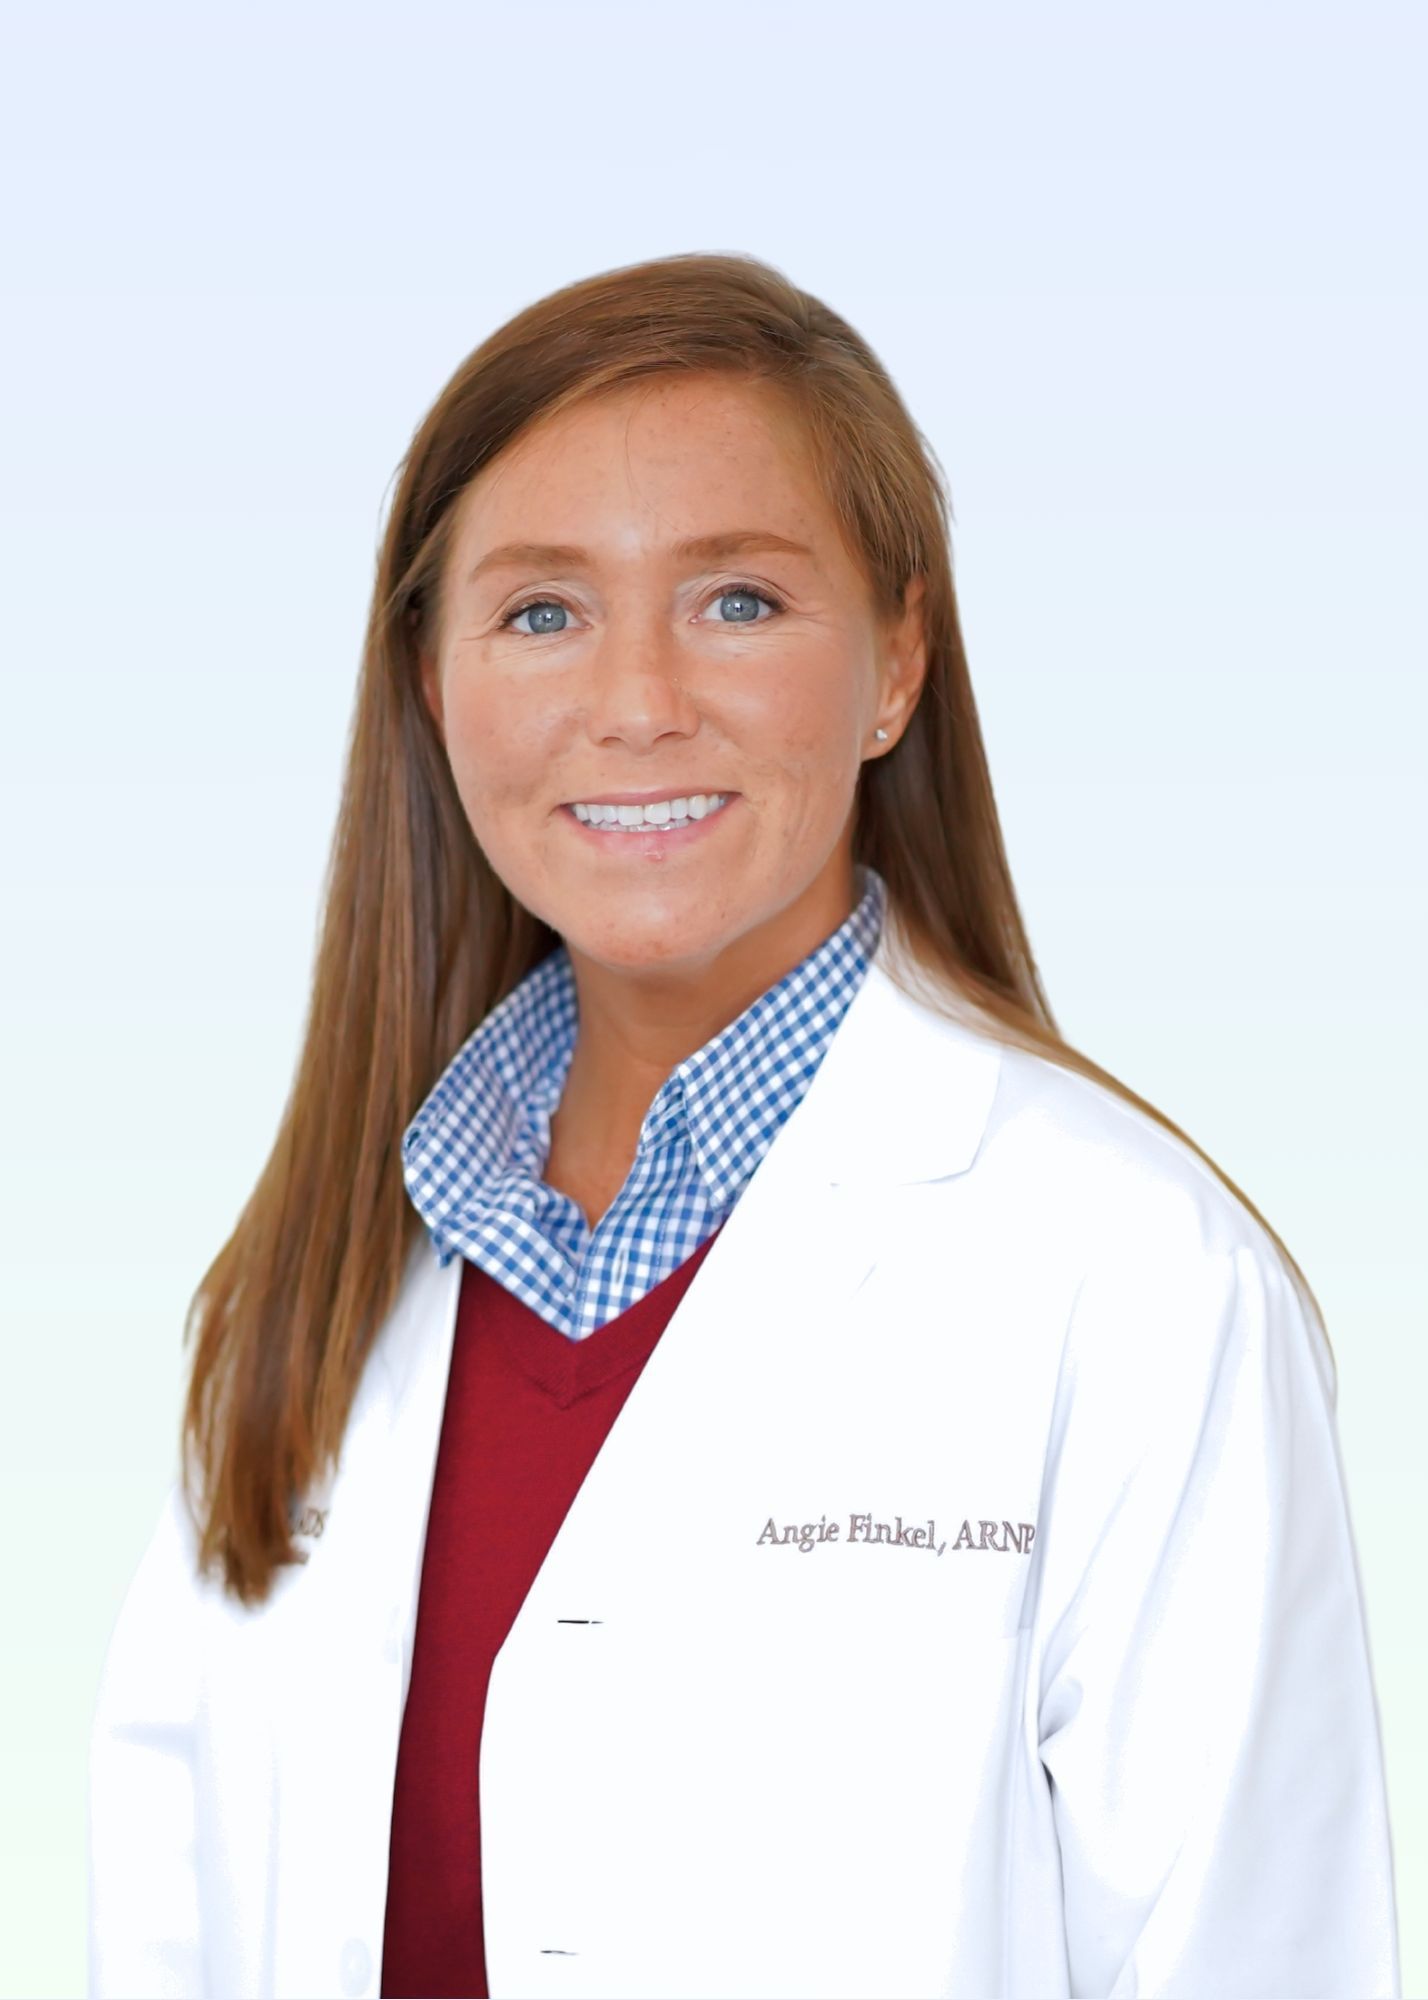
x: 1016, y: 1536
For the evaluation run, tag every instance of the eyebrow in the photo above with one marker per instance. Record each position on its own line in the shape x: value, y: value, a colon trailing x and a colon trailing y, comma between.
x: 695, y: 548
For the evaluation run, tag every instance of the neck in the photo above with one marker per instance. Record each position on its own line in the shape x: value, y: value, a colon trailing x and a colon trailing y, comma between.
x: 636, y: 1026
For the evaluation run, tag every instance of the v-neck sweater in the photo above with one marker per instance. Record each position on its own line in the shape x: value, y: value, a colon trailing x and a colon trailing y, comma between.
x: 526, y: 1413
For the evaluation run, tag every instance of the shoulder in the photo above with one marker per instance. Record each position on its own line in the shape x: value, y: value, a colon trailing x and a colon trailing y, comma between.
x: 1110, y: 1166
x: 1057, y: 1157
x: 1171, y: 1269
x: 1040, y: 1137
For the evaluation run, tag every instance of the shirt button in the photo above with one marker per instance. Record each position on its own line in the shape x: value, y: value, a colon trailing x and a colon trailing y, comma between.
x: 356, y: 1968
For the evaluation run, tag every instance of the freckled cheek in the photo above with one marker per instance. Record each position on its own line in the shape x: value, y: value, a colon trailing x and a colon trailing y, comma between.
x: 800, y: 716
x: 500, y: 753
x: 810, y: 757
x: 815, y: 749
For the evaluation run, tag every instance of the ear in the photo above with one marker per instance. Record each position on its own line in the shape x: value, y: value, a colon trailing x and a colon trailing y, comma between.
x: 904, y: 667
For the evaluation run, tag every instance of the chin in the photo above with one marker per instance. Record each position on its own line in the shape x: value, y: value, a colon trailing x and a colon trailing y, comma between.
x: 633, y: 945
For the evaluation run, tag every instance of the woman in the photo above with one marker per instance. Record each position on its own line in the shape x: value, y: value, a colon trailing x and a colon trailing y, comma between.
x: 722, y: 1456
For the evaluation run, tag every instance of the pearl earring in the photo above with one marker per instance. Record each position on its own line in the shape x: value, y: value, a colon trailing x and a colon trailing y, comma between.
x: 881, y: 735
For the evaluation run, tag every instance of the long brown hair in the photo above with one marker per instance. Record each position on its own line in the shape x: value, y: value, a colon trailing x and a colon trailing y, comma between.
x: 419, y: 938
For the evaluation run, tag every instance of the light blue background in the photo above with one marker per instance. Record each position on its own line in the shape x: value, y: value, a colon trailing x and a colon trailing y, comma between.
x: 1150, y: 278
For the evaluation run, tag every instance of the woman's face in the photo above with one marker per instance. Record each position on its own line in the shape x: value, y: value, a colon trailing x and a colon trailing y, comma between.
x: 603, y: 637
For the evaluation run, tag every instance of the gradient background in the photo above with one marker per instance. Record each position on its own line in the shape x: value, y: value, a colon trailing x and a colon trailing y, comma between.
x: 1152, y: 281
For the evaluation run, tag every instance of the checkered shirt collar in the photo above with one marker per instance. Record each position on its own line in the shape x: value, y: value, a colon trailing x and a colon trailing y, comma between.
x: 489, y: 1111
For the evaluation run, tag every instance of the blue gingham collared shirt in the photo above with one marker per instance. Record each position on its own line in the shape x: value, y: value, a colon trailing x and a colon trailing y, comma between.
x: 473, y: 1156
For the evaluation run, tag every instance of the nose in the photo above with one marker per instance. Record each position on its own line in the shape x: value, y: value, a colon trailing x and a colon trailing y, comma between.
x: 635, y: 694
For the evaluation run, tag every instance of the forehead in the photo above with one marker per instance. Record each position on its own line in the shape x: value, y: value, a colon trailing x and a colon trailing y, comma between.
x: 673, y: 456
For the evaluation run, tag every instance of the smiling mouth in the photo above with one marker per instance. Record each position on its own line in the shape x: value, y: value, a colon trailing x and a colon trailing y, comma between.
x: 671, y: 830
x: 653, y: 815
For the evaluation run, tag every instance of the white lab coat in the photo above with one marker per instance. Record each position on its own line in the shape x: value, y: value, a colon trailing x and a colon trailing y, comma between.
x: 1126, y: 1742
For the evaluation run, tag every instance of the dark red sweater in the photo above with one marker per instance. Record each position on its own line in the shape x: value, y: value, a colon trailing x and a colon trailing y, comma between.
x: 526, y: 1412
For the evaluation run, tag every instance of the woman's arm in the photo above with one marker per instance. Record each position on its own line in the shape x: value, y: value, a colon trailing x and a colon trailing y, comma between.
x: 1207, y: 1713
x: 142, y: 1865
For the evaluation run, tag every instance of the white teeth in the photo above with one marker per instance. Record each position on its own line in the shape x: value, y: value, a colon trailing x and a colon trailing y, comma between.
x: 663, y: 812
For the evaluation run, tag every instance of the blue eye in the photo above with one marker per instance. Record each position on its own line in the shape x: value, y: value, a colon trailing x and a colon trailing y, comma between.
x: 747, y: 592
x: 536, y: 604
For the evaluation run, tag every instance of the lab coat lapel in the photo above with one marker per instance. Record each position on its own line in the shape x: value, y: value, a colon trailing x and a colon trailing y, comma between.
x: 901, y: 1097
